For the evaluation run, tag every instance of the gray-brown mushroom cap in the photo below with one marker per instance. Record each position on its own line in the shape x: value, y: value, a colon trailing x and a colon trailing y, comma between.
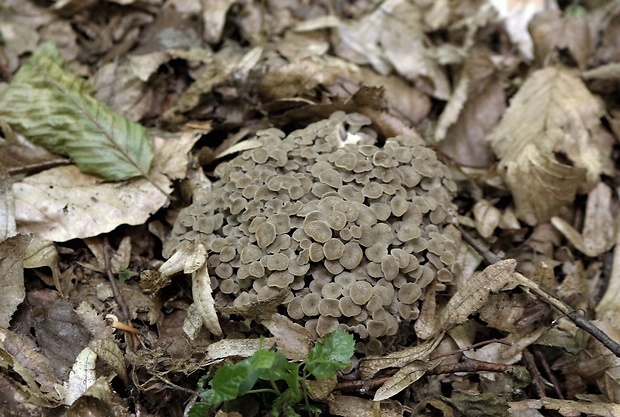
x: 355, y: 229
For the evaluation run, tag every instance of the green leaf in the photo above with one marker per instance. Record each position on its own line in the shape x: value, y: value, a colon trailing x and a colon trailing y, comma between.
x: 233, y: 381
x: 280, y: 368
x: 332, y: 355
x: 198, y: 410
x: 55, y: 109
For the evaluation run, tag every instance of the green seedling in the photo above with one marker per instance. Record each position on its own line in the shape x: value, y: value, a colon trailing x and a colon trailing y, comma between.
x: 277, y: 381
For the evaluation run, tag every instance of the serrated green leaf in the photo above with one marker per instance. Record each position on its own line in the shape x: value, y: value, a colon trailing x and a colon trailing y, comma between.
x: 55, y: 109
x: 198, y: 410
x: 332, y: 355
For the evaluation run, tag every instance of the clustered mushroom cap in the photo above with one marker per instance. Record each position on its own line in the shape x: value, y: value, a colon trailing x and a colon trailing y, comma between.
x: 354, y: 230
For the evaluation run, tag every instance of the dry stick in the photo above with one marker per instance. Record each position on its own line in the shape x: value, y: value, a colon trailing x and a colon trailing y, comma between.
x: 522, y: 280
x: 117, y: 293
x: 545, y: 364
x: 537, y: 379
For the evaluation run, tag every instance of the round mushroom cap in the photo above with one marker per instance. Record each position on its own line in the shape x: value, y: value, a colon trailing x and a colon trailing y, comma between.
x: 356, y: 230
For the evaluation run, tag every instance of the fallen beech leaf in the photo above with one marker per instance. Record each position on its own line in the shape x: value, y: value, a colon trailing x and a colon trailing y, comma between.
x: 552, y: 32
x: 55, y: 108
x: 476, y: 291
x: 550, y: 143
x: 203, y: 300
x: 292, y: 339
x: 63, y: 203
x: 487, y: 218
x: 110, y: 353
x: 598, y: 232
x: 349, y: 406
x: 82, y: 376
x: 43, y: 253
x: 13, y: 292
x: 7, y: 205
x: 370, y: 365
x: 95, y: 401
x: 404, y: 377
x: 567, y: 408
x: 243, y: 348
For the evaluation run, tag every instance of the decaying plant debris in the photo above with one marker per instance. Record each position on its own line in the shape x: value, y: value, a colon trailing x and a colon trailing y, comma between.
x: 184, y: 183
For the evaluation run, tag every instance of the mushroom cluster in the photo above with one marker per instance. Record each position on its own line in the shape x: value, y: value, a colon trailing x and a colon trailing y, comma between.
x: 355, y: 231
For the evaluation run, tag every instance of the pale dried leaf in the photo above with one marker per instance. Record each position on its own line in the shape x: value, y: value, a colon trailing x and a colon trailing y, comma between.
x: 214, y: 16
x: 82, y: 375
x: 242, y: 348
x: 370, y: 365
x: 393, y: 37
x: 566, y: 408
x: 552, y: 118
x: 405, y: 376
x: 349, y: 406
x: 110, y: 353
x: 29, y: 356
x: 7, y: 205
x: 62, y: 203
x: 95, y: 401
x: 475, y: 292
x: 13, y: 292
x: 487, y: 218
x: 41, y: 253
x: 552, y: 33
x: 25, y: 384
x: 508, y: 350
x: 598, y: 232
x: 609, y: 306
x: 292, y: 339
x: 203, y: 300
x: 193, y: 322
x: 517, y: 16
x: 240, y: 147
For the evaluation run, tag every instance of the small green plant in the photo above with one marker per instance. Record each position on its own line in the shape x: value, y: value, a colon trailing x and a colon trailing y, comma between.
x: 268, y: 373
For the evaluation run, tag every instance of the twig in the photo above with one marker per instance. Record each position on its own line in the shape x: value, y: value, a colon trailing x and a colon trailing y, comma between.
x: 550, y: 375
x: 537, y: 379
x: 117, y: 293
x: 523, y: 281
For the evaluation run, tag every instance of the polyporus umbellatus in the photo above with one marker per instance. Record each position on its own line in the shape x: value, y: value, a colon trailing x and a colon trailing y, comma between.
x: 355, y: 231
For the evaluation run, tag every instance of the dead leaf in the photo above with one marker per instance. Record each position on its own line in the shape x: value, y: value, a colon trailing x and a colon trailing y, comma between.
x: 111, y: 354
x: 243, y: 348
x: 95, y: 401
x: 370, y: 365
x: 552, y: 32
x: 43, y: 253
x: 203, y: 300
x: 549, y: 143
x: 392, y: 37
x: 82, y: 376
x: 404, y: 377
x: 476, y: 291
x: 13, y: 292
x: 566, y: 408
x: 214, y: 16
x: 598, y: 232
x: 7, y: 205
x: 349, y: 406
x: 517, y: 16
x: 292, y: 339
x: 487, y: 218
x: 62, y: 203
x: 609, y: 306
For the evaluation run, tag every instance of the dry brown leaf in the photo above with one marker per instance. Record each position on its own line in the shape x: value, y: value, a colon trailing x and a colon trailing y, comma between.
x: 474, y: 108
x: 552, y: 32
x: 349, y: 406
x: 96, y: 401
x: 487, y: 218
x: 370, y: 365
x: 566, y: 408
x: 62, y: 203
x: 214, y: 17
x: 27, y: 354
x: 476, y: 291
x: 7, y: 204
x: 404, y: 377
x: 243, y: 348
x: 393, y: 37
x: 517, y: 16
x: 82, y: 376
x: 12, y: 251
x: 508, y: 350
x: 292, y: 339
x: 609, y: 306
x: 550, y: 143
x: 203, y: 300
x: 598, y: 233
x: 44, y: 253
x: 111, y: 354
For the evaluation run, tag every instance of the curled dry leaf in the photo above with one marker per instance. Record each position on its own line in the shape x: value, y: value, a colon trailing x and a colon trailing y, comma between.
x: 393, y: 37
x: 13, y: 292
x: 487, y: 218
x: 609, y: 306
x: 552, y: 33
x: 292, y: 339
x: 404, y: 377
x: 476, y: 291
x: 349, y: 406
x: 243, y: 348
x: 82, y: 376
x: 203, y: 300
x: 370, y: 365
x: 598, y: 233
x: 62, y: 203
x: 110, y: 353
x: 43, y: 253
x: 550, y: 143
x: 7, y: 204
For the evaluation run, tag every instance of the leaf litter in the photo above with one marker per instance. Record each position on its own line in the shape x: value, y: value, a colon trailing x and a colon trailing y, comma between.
x: 526, y: 121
